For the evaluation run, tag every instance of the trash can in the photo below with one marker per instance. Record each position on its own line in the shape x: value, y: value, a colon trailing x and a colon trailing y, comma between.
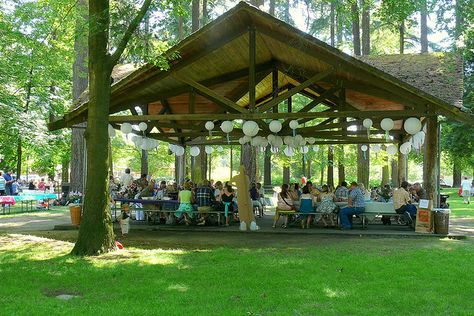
x: 75, y: 211
x: 441, y: 220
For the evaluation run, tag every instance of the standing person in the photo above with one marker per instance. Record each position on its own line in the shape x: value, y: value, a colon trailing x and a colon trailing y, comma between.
x: 466, y: 190
x: 8, y: 182
x: 228, y: 200
x: 2, y: 184
x: 185, y: 199
x: 126, y: 179
x: 306, y: 206
x: 355, y: 205
x: 255, y: 196
x: 42, y: 185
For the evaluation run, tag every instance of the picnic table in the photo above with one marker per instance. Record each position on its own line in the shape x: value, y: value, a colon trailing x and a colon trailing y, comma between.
x: 6, y: 201
x: 27, y: 198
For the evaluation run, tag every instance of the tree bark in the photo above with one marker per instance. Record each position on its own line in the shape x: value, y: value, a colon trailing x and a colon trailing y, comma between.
x: 79, y: 84
x: 341, y: 170
x: 330, y: 174
x: 65, y: 170
x: 423, y: 27
x: 267, y: 168
x: 339, y: 24
x: 308, y: 172
x: 355, y: 28
x: 286, y: 175
x: 365, y: 27
x: 205, y: 14
x: 287, y: 11
x: 248, y: 159
x: 394, y: 172
x: 144, y: 162
x: 402, y: 168
x: 457, y: 174
x: 195, y: 15
x: 363, y: 166
x: 180, y: 28
x: 271, y: 10
x: 401, y: 29
x: 96, y: 234
x: 385, y: 172
x: 459, y: 20
x: 180, y: 168
x: 333, y: 23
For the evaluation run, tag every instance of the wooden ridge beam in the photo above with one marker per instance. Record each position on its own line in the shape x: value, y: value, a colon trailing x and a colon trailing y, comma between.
x: 284, y: 96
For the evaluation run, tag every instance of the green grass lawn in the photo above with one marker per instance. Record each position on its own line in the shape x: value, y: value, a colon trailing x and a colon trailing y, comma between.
x: 458, y: 209
x: 238, y: 274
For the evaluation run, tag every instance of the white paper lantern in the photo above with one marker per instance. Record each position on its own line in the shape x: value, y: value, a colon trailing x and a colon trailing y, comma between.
x: 299, y: 140
x: 242, y: 141
x: 304, y: 149
x: 247, y: 139
x: 277, y: 141
x: 412, y: 125
x: 264, y: 143
x: 289, y: 151
x: 145, y: 144
x: 405, y: 148
x: 315, y: 148
x: 142, y: 126
x: 311, y: 140
x: 288, y: 140
x: 220, y: 149
x: 386, y: 124
x: 274, y: 150
x: 209, y: 150
x: 126, y: 128
x: 154, y: 144
x: 367, y: 123
x: 194, y: 151
x: 294, y: 124
x: 172, y: 147
x: 138, y: 141
x: 227, y: 127
x: 270, y: 138
x: 179, y: 151
x: 391, y: 149
x: 275, y: 126
x: 111, y: 131
x: 364, y: 148
x: 209, y: 125
x: 250, y: 128
x: 376, y: 148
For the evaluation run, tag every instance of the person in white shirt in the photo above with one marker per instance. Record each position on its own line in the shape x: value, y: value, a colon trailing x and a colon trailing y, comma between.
x: 126, y: 179
x: 466, y: 190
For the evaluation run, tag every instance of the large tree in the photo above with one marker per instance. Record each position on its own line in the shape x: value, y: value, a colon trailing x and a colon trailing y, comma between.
x: 96, y: 232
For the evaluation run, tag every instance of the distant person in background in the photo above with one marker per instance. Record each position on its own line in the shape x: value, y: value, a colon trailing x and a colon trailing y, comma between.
x: 342, y: 192
x: 31, y: 185
x: 466, y: 190
x: 2, y: 184
x: 15, y: 187
x: 419, y: 193
x: 42, y: 185
x: 8, y: 182
x: 126, y: 179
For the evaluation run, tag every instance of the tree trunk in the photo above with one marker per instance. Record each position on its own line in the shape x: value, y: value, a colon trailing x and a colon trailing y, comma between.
x: 402, y: 167
x: 365, y: 27
x: 394, y: 169
x: 79, y: 84
x: 330, y: 181
x: 308, y: 173
x: 96, y: 232
x: 363, y: 166
x: 333, y: 23
x: 144, y: 162
x: 457, y: 174
x: 205, y: 14
x: 65, y: 170
x: 180, y: 168
x: 248, y: 159
x: 195, y: 15
x: 271, y: 11
x: 286, y: 175
x: 19, y: 154
x: 459, y: 20
x: 385, y: 172
x: 287, y: 11
x: 267, y: 168
x: 424, y: 27
x: 401, y: 29
x: 339, y: 24
x: 430, y: 175
x: 355, y: 28
x: 180, y: 28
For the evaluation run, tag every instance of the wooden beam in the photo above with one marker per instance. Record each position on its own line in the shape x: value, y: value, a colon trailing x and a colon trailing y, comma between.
x: 397, y: 114
x: 267, y: 106
x: 192, y: 102
x: 252, y: 59
x: 211, y: 95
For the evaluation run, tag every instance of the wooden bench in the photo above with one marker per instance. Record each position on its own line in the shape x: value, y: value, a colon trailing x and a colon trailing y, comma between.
x: 279, y: 213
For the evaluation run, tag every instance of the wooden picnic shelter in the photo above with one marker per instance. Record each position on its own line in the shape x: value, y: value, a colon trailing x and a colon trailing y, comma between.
x: 248, y: 65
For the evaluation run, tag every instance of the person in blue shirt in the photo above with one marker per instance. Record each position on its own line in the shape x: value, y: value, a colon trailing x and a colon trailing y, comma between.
x: 8, y: 182
x: 355, y: 205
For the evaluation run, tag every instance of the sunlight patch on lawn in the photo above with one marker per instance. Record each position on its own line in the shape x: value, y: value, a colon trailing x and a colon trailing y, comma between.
x: 33, y: 247
x: 334, y: 293
x: 138, y: 256
x: 178, y: 288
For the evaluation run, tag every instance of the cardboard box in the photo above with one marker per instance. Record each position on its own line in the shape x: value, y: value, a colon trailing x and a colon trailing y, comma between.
x: 424, y: 217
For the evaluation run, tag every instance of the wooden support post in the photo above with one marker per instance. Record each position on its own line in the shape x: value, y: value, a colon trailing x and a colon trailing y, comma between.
x: 252, y: 58
x: 394, y: 173
x: 231, y: 162
x: 267, y: 168
x: 330, y: 174
x: 431, y: 147
x: 275, y: 87
x: 144, y: 162
x: 180, y: 168
x: 363, y: 166
x: 192, y: 101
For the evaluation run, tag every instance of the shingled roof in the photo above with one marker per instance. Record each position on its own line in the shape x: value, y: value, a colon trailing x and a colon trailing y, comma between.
x: 439, y: 74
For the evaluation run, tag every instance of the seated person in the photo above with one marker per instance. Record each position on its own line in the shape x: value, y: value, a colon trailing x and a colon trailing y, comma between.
x: 227, y: 198
x: 327, y: 205
x: 342, y: 192
x: 355, y: 205
x: 295, y: 194
x: 142, y: 182
x: 147, y: 192
x: 419, y: 193
x: 285, y: 203
x: 185, y: 200
x: 261, y: 195
x: 218, y: 191
x: 204, y: 199
x: 306, y: 206
x: 402, y: 202
x: 254, y: 195
x: 385, y: 193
